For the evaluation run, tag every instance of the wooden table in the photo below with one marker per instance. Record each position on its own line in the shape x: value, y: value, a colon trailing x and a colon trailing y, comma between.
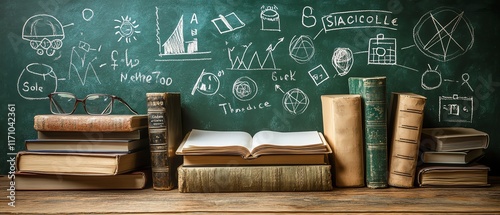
x: 340, y: 200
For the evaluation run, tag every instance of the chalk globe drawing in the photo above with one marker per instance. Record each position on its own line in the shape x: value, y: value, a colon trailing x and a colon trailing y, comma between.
x: 244, y: 88
x: 301, y: 49
x: 36, y: 81
x: 342, y: 60
x: 126, y: 29
x: 443, y: 34
x: 295, y: 101
x: 45, y: 34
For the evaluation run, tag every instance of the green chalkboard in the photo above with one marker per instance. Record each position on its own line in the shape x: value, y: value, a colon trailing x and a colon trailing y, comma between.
x: 249, y: 65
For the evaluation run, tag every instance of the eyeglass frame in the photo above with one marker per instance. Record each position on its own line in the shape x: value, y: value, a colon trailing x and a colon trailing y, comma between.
x: 83, y: 101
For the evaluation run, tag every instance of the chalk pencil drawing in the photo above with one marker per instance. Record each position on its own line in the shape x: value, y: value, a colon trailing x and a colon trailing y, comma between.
x: 228, y: 23
x: 80, y: 65
x: 127, y: 29
x: 36, y: 81
x: 443, y: 34
x: 177, y: 47
x: 431, y: 79
x: 456, y: 108
x: 240, y: 62
x: 45, y: 34
x: 206, y: 84
x: 301, y: 49
x: 318, y: 74
x: 342, y: 60
x: 245, y: 88
x: 270, y: 18
x: 382, y: 51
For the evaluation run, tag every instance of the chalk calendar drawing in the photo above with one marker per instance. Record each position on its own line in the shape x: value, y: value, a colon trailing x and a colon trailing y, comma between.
x: 382, y: 51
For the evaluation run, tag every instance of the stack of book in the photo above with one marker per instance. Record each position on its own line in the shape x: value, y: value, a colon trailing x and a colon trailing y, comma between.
x: 85, y: 152
x: 449, y: 156
x: 234, y: 161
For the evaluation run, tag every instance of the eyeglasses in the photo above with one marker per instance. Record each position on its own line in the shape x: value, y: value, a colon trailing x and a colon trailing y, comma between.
x: 94, y: 104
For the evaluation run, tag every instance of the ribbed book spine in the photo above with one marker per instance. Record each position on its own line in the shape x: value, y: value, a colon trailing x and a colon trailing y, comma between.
x: 254, y: 178
x: 373, y: 96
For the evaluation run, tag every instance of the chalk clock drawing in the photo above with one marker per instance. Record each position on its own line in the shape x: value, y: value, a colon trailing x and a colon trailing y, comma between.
x: 127, y: 29
x: 45, y: 34
x: 245, y: 88
x: 443, y: 34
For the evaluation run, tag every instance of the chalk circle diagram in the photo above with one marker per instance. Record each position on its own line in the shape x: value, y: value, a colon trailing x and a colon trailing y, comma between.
x: 245, y: 88
x: 36, y: 81
x: 126, y: 29
x: 342, y: 60
x: 207, y: 84
x: 295, y: 101
x: 431, y: 79
x: 301, y: 49
x: 45, y: 34
x: 443, y: 34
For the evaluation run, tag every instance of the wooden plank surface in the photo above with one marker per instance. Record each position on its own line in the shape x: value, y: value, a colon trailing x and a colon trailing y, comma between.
x: 345, y: 200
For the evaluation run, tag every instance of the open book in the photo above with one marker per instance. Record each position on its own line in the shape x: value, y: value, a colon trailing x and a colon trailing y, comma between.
x: 204, y: 142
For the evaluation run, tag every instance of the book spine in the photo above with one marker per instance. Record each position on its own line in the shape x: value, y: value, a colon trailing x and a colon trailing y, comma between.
x: 254, y: 178
x: 343, y: 129
x: 407, y: 115
x: 86, y: 123
x: 165, y: 133
x: 373, y: 96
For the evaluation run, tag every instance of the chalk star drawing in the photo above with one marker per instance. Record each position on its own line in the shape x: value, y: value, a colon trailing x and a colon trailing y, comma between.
x: 295, y: 101
x: 443, y: 34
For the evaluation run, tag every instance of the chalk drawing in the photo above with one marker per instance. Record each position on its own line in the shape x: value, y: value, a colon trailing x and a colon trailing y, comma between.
x: 295, y: 101
x: 431, y: 79
x: 318, y: 74
x: 270, y: 18
x: 245, y: 88
x: 87, y: 14
x: 382, y: 51
x: 228, y: 23
x: 359, y: 19
x: 308, y: 20
x: 207, y: 84
x: 126, y: 29
x: 45, y: 34
x: 436, y: 34
x: 342, y: 60
x: 240, y: 62
x: 301, y: 49
x: 465, y: 79
x: 36, y: 81
x: 80, y: 65
x: 456, y: 108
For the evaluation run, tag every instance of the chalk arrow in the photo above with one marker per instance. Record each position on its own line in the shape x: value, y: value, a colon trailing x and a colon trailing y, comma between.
x: 277, y: 87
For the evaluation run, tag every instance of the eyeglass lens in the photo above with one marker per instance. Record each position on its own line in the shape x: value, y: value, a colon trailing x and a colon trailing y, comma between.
x: 65, y: 103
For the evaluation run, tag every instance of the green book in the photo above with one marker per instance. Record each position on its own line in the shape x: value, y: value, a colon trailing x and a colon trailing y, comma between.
x: 373, y: 96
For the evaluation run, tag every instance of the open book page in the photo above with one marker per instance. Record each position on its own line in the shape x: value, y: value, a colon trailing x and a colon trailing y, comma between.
x: 218, y: 141
x: 302, y: 142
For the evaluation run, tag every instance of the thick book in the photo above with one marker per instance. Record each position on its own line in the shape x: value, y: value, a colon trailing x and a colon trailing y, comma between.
x: 127, y: 181
x: 83, y: 145
x: 373, y: 97
x: 81, y: 163
x: 98, y: 135
x: 460, y: 157
x: 232, y: 160
x: 343, y: 130
x: 453, y: 139
x: 206, y: 142
x: 475, y: 175
x: 405, y: 124
x: 90, y: 123
x: 165, y: 136
x: 255, y: 178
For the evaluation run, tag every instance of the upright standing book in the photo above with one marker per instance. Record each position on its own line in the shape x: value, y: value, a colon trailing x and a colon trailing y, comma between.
x: 165, y: 136
x: 373, y: 96
x: 406, y: 118
x: 343, y: 130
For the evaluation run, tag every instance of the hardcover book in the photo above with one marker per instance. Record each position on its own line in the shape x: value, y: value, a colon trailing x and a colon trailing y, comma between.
x: 98, y: 135
x: 453, y: 139
x: 406, y: 118
x: 83, y: 145
x: 165, y: 136
x: 373, y: 97
x: 343, y: 130
x: 232, y: 160
x: 255, y: 178
x: 460, y: 157
x: 475, y: 175
x: 90, y: 123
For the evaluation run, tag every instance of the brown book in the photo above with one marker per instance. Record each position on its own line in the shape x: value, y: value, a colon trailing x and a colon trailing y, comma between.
x: 98, y: 135
x: 475, y: 175
x: 343, y: 129
x: 90, y: 123
x: 127, y: 181
x: 81, y: 163
x: 448, y: 139
x: 231, y: 160
x: 405, y: 125
x: 83, y: 145
x: 461, y: 157
x: 255, y: 178
x: 165, y: 136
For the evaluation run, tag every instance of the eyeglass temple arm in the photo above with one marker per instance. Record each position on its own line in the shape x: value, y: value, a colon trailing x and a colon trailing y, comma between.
x: 126, y: 104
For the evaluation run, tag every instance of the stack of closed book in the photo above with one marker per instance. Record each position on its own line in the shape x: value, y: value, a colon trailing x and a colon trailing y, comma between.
x: 85, y: 152
x: 234, y: 161
x: 449, y: 157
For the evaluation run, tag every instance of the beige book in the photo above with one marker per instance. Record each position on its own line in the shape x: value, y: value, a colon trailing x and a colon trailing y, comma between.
x: 342, y: 124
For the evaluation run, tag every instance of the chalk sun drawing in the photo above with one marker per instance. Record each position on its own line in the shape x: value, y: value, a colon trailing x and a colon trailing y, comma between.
x: 126, y: 29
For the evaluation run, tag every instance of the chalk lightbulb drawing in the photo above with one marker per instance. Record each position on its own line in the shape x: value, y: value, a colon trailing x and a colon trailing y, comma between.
x: 126, y: 29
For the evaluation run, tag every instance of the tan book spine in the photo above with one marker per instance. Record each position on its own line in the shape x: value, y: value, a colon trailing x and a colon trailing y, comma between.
x: 406, y: 118
x: 343, y: 130
x: 89, y: 123
x: 254, y: 178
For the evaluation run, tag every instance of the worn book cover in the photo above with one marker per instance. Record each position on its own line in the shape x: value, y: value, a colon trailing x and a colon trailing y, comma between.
x: 90, y: 123
x: 454, y: 139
